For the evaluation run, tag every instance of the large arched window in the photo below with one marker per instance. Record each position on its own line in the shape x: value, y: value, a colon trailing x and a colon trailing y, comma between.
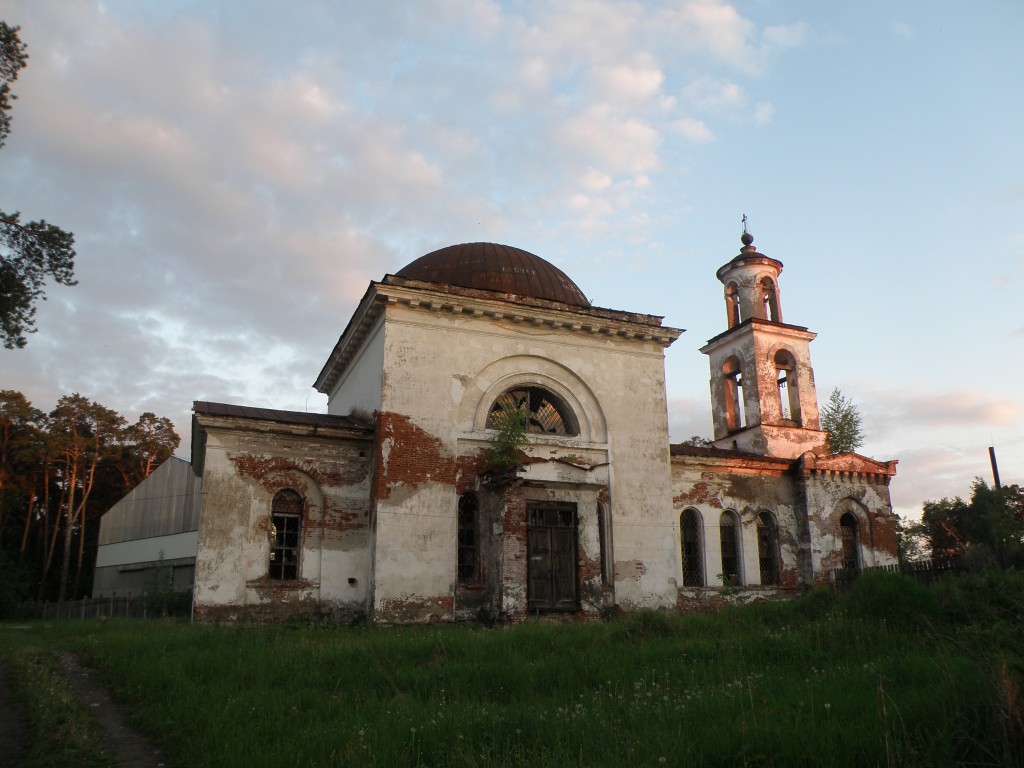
x: 690, y: 535
x: 728, y: 527
x: 732, y: 382
x: 851, y: 553
x: 285, y: 535
x: 768, y: 549
x: 545, y: 412
x: 786, y: 380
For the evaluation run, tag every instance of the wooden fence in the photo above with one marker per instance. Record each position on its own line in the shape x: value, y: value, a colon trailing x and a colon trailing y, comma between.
x: 923, y: 571
x: 137, y: 607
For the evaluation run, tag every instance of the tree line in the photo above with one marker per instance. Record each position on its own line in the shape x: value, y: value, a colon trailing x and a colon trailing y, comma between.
x: 59, y: 472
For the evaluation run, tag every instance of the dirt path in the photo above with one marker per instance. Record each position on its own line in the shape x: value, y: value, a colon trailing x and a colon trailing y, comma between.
x: 130, y: 747
x: 12, y: 729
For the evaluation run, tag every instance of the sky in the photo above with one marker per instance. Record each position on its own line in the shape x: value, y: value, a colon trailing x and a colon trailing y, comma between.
x: 236, y: 173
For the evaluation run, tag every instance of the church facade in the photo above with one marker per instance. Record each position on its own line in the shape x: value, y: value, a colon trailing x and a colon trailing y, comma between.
x: 390, y: 505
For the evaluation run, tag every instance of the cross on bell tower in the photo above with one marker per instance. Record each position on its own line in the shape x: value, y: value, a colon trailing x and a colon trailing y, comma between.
x: 762, y: 385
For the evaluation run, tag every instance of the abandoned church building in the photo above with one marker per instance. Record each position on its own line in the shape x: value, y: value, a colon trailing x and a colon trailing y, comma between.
x: 389, y: 506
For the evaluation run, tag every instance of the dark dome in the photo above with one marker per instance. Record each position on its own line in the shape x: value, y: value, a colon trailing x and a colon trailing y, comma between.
x: 494, y: 267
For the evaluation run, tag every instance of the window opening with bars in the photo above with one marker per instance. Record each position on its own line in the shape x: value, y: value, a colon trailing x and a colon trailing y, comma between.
x: 285, y: 535
x: 730, y: 549
x: 469, y: 538
x: 693, y: 568
x: 768, y: 549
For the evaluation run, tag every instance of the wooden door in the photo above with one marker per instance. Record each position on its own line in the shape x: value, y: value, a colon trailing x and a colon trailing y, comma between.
x: 551, y: 557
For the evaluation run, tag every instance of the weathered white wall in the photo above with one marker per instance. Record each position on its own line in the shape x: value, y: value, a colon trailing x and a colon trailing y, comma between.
x: 443, y: 370
x: 244, y: 467
x: 358, y: 389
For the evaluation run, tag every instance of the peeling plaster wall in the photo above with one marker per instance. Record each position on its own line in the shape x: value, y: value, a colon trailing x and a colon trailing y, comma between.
x: 244, y: 467
x: 442, y: 371
x: 748, y: 488
x: 829, y: 496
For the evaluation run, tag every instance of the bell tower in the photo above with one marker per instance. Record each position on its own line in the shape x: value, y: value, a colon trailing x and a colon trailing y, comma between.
x: 762, y: 386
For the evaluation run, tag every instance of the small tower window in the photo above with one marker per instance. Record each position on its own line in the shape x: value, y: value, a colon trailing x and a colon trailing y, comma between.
x: 848, y: 529
x: 732, y: 382
x: 728, y: 530
x: 689, y: 532
x: 786, y: 380
x: 546, y: 413
x: 768, y: 549
x: 732, y: 304
x: 285, y: 535
x: 770, y: 300
x: 469, y: 538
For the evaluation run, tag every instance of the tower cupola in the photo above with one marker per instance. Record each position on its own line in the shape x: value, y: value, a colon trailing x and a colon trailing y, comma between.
x: 762, y: 385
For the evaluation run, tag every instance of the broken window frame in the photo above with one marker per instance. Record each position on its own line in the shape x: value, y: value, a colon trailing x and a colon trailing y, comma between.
x: 768, y: 549
x: 286, y: 511
x: 691, y: 547
x: 547, y: 413
x: 729, y: 538
x: 468, y: 539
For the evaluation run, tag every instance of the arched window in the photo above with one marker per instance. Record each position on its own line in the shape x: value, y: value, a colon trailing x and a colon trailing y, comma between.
x: 789, y: 391
x: 728, y: 528
x: 469, y: 538
x: 848, y: 530
x: 732, y: 382
x: 545, y: 412
x: 732, y: 304
x: 690, y: 535
x: 768, y: 549
x: 770, y: 300
x: 285, y: 534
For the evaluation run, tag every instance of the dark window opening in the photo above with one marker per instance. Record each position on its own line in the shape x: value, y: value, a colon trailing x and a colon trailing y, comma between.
x: 730, y: 549
x: 469, y: 538
x: 689, y: 530
x: 768, y: 549
x: 546, y: 414
x: 285, y: 535
x: 848, y: 529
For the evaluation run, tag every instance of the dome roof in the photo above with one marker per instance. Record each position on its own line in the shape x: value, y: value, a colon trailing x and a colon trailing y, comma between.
x: 494, y: 267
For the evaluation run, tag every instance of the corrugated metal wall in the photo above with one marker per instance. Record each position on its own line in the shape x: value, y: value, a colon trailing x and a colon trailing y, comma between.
x: 166, y: 502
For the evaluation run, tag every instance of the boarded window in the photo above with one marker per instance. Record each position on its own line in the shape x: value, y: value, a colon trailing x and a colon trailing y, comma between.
x: 689, y: 532
x: 469, y: 538
x: 768, y: 549
x: 728, y: 530
x: 545, y: 412
x: 285, y: 535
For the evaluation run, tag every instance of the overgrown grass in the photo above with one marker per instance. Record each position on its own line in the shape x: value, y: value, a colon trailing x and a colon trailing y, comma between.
x: 892, y: 674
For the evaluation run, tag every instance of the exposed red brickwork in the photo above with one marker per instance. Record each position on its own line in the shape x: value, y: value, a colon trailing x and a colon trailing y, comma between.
x: 407, y: 455
x: 699, y: 493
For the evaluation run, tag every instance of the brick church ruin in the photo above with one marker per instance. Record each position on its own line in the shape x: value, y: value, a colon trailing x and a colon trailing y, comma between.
x: 386, y: 507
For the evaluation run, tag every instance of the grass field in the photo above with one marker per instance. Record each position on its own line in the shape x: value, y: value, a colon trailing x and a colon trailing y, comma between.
x: 891, y: 674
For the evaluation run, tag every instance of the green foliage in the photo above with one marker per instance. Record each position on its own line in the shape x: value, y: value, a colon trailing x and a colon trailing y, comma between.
x: 987, y: 530
x: 30, y: 252
x: 841, y: 419
x: 821, y: 680
x: 696, y: 441
x: 15, y: 586
x: 505, y: 450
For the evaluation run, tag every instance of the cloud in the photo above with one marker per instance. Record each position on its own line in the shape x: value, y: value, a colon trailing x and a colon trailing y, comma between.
x: 695, y: 130
x: 709, y: 94
x: 764, y: 113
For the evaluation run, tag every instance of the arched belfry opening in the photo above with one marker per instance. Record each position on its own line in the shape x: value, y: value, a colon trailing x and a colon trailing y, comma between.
x: 732, y: 384
x: 788, y: 386
x: 770, y: 301
x: 732, y: 304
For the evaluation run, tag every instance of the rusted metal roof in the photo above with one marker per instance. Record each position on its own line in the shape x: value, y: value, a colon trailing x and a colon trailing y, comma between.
x: 495, y: 267
x: 282, y: 417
